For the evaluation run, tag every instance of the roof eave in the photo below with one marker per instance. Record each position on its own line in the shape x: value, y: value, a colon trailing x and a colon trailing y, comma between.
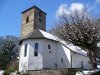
x: 33, y: 7
x: 36, y: 38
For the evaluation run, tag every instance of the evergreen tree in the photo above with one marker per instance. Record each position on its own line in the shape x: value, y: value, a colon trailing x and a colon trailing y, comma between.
x: 8, y: 50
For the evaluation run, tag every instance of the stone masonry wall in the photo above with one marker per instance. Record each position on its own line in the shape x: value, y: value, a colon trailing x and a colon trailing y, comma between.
x: 67, y: 71
x: 46, y: 72
x: 26, y: 28
x: 33, y: 21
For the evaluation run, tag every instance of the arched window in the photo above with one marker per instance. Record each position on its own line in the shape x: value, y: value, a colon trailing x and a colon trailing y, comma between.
x: 25, y: 51
x: 27, y: 19
x: 36, y: 49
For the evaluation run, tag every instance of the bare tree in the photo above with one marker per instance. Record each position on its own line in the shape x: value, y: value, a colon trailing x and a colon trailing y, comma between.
x: 81, y: 30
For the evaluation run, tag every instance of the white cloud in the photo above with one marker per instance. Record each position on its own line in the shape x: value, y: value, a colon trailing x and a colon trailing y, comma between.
x: 62, y: 10
x: 65, y: 9
x: 76, y: 6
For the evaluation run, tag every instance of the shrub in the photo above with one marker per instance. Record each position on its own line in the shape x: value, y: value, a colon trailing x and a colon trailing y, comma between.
x: 11, y: 69
x: 6, y: 73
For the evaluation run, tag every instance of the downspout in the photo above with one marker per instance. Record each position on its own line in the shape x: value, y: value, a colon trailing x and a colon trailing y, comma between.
x: 72, y: 59
x: 70, y: 53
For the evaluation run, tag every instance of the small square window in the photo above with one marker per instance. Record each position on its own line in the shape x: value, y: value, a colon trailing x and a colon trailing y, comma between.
x: 49, y: 51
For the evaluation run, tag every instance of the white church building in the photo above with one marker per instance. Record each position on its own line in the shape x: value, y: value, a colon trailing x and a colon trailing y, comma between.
x: 42, y: 50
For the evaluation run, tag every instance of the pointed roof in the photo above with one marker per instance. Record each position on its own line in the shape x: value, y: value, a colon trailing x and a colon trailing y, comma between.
x: 39, y: 34
x: 33, y: 8
x: 34, y: 34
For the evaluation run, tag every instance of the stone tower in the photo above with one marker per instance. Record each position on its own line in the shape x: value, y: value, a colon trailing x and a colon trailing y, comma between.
x: 32, y: 18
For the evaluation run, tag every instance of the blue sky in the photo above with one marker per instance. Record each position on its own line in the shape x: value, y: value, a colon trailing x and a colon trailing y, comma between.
x: 10, y: 12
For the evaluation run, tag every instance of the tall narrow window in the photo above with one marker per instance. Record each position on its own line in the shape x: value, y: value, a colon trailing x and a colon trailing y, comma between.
x: 36, y: 49
x: 27, y: 19
x: 40, y: 20
x: 49, y: 47
x: 81, y: 64
x: 40, y: 14
x: 62, y: 60
x: 25, y: 52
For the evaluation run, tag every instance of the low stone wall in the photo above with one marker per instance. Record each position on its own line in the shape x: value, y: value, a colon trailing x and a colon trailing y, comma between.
x: 53, y: 72
x: 45, y: 72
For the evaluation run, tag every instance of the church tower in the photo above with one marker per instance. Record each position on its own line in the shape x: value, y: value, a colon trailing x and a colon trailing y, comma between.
x: 32, y: 18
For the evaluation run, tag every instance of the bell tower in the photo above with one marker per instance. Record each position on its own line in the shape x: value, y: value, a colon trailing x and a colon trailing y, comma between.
x: 32, y: 18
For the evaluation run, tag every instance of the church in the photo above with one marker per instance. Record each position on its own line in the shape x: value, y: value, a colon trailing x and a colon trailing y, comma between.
x: 41, y: 50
